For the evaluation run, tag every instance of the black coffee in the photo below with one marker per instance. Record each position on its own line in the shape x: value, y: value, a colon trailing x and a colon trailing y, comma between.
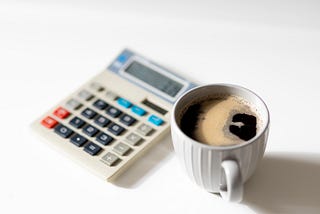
x: 220, y: 121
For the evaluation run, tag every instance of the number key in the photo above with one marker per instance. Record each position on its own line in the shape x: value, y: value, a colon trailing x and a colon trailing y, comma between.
x: 90, y: 130
x: 88, y: 113
x: 116, y: 129
x: 127, y: 120
x: 77, y: 122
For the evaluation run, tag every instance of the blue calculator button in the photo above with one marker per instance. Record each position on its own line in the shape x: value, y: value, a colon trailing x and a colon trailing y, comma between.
x: 122, y: 58
x: 155, y: 120
x: 139, y: 111
x: 123, y: 102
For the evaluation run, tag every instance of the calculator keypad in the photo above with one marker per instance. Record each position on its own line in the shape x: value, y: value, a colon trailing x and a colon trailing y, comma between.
x: 127, y: 119
x: 63, y: 131
x: 100, y: 104
x: 102, y: 124
x: 102, y: 121
x: 113, y: 111
x: 92, y: 148
x: 90, y: 130
x: 121, y: 149
x: 78, y: 140
x: 49, y: 122
x: 85, y: 95
x: 73, y: 104
x: 61, y: 113
x: 77, y: 122
x: 116, y: 129
x: 104, y: 138
x: 144, y: 129
x: 88, y: 113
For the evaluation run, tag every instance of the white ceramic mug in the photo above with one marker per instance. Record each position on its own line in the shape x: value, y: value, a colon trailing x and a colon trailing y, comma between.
x: 220, y: 169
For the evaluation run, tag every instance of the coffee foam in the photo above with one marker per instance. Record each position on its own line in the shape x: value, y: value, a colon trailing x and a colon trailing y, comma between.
x: 215, y: 116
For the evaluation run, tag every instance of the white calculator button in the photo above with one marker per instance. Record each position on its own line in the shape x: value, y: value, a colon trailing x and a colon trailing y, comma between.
x: 85, y: 95
x: 144, y: 129
x: 73, y: 104
x: 133, y: 139
x: 96, y: 86
x: 111, y: 95
x: 110, y: 159
x: 121, y: 149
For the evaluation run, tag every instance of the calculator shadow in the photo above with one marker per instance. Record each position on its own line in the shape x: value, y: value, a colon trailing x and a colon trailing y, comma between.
x: 285, y: 183
x: 146, y: 165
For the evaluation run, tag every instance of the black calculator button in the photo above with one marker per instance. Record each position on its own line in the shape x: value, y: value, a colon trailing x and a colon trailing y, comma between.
x: 102, y: 121
x: 77, y: 122
x: 92, y: 148
x: 89, y: 113
x: 78, y: 140
x: 115, y: 129
x: 90, y: 130
x: 104, y: 139
x: 127, y: 120
x: 63, y: 131
x: 113, y: 112
x: 100, y: 104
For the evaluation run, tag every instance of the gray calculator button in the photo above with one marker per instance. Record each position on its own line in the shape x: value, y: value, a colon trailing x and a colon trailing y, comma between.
x: 96, y: 86
x: 73, y: 104
x: 85, y: 95
x: 144, y: 129
x: 121, y: 149
x: 133, y: 139
x: 110, y: 159
x: 111, y: 95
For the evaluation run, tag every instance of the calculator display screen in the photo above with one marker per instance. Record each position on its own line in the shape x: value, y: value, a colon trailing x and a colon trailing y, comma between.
x: 154, y: 78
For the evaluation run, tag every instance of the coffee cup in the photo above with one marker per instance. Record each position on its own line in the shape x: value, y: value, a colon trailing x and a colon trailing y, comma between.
x: 220, y: 161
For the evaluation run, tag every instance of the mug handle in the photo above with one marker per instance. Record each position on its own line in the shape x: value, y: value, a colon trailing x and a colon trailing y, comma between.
x: 233, y: 191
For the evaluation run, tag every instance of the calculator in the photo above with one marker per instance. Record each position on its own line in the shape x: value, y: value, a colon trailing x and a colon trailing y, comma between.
x: 112, y: 119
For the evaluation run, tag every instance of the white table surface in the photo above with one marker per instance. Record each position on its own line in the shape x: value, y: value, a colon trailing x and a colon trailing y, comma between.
x: 49, y: 48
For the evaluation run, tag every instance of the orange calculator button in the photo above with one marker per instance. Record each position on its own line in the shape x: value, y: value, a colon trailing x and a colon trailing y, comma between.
x: 49, y: 122
x: 61, y: 113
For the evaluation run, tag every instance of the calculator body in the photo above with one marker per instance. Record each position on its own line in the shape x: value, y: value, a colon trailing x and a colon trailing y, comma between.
x: 109, y: 122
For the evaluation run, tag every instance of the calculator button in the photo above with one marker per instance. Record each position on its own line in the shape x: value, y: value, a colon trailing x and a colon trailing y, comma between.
x: 115, y: 129
x: 78, y: 140
x: 137, y: 110
x: 63, y: 131
x: 124, y: 103
x: 144, y: 129
x: 133, y: 139
x: 88, y: 113
x: 113, y: 112
x: 77, y: 122
x: 90, y: 130
x: 92, y: 148
x: 110, y: 159
x: 61, y: 113
x: 49, y: 122
x: 100, y: 104
x: 111, y: 95
x: 121, y: 149
x: 102, y: 121
x: 127, y: 120
x: 85, y: 95
x: 155, y: 120
x: 104, y: 139
x: 73, y: 104
x: 96, y: 86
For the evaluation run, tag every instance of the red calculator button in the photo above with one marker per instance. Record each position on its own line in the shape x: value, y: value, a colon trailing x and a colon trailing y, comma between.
x: 61, y: 113
x: 49, y: 122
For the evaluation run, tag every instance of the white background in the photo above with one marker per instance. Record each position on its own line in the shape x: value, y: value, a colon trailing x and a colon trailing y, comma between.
x: 49, y: 48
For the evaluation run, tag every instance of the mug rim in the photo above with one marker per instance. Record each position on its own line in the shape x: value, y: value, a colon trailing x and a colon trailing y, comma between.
x: 228, y: 147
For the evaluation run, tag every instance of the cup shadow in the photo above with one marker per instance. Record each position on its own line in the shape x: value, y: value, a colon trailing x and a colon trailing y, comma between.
x: 147, y: 164
x: 285, y: 183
